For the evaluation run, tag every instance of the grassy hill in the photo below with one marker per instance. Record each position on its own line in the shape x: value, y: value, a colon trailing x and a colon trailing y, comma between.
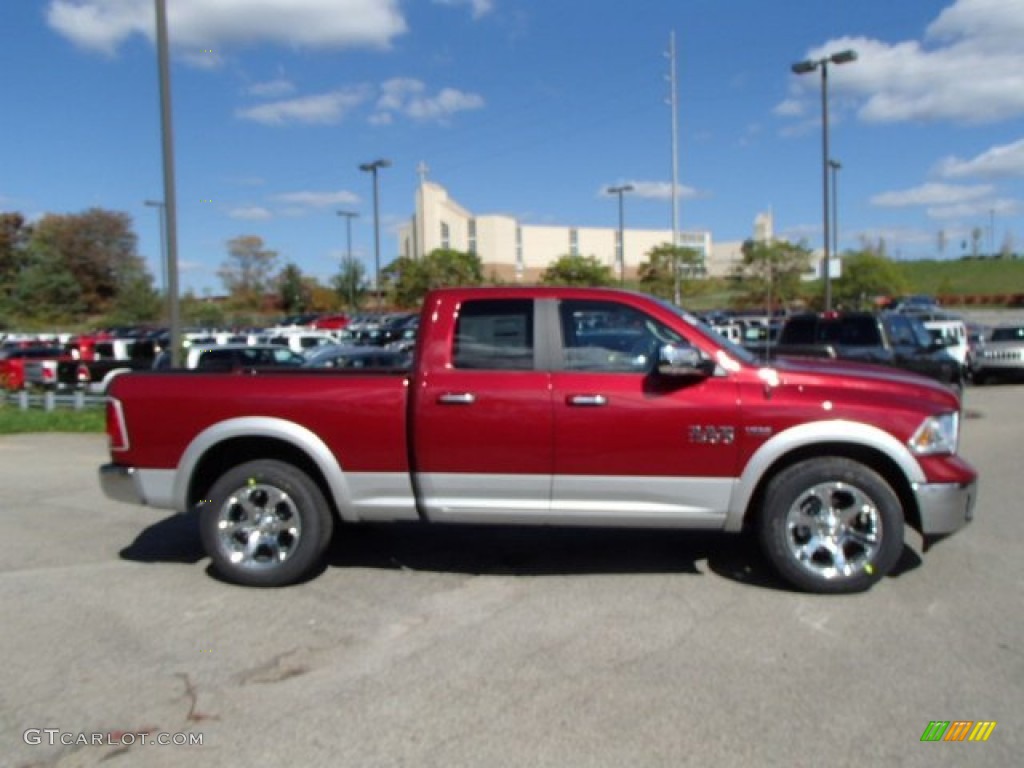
x: 968, y: 277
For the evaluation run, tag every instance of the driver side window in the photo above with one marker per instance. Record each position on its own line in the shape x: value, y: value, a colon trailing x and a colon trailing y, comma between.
x: 606, y: 337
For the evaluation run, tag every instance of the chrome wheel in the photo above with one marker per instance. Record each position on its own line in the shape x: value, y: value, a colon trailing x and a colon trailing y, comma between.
x: 259, y: 526
x: 834, y: 530
x: 831, y: 525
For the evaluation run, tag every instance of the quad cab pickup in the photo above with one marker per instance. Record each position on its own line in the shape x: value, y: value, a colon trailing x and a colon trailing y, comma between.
x: 550, y: 406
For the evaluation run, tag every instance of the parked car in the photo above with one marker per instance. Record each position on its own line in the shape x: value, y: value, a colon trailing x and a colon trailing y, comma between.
x: 13, y: 360
x: 1000, y: 356
x: 232, y: 357
x: 888, y: 338
x: 351, y: 356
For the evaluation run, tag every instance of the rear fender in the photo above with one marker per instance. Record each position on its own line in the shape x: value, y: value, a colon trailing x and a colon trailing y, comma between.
x: 266, y: 427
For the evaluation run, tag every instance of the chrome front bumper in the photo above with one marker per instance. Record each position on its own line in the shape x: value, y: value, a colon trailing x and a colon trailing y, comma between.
x: 945, y: 507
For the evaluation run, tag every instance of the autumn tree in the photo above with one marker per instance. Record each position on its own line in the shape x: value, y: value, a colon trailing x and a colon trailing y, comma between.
x: 577, y: 270
x: 247, y: 273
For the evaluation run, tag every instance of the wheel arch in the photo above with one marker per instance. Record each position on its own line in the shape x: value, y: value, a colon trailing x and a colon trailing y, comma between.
x: 863, y: 443
x: 236, y: 441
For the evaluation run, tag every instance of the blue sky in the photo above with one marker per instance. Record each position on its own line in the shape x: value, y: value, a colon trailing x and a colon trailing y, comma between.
x: 525, y: 108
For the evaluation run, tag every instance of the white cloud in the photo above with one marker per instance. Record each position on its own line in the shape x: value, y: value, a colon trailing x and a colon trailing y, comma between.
x: 479, y: 8
x: 932, y: 194
x: 409, y: 97
x: 271, y: 89
x: 307, y: 199
x: 103, y: 25
x: 655, y: 190
x: 976, y: 210
x: 323, y: 108
x: 1002, y: 161
x: 250, y: 213
x: 968, y: 68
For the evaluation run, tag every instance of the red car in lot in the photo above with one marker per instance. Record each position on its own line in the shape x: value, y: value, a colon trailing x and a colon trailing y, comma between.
x: 13, y: 359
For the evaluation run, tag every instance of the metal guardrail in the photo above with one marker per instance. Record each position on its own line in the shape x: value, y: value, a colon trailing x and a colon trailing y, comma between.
x: 49, y: 400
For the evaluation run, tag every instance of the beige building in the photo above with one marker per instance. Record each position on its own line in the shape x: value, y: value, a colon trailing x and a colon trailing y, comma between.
x: 517, y: 252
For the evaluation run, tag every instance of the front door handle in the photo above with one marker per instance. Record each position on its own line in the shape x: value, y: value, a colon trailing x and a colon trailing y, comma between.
x: 457, y: 398
x: 591, y: 401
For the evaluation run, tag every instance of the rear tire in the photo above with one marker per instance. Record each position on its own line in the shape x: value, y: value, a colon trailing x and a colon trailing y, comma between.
x: 265, y: 524
x: 831, y: 525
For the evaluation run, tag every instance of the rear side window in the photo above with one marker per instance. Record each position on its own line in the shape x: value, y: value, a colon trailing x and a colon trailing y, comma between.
x: 1008, y: 334
x: 799, y: 330
x: 495, y: 334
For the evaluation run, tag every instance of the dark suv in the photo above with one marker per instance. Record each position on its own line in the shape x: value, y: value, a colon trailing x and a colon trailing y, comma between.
x: 889, y: 338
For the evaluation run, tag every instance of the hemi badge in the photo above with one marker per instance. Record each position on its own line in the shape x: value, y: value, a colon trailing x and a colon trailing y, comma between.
x: 759, y: 431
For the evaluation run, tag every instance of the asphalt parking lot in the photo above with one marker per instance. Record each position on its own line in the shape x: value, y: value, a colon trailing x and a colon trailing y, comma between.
x: 471, y: 647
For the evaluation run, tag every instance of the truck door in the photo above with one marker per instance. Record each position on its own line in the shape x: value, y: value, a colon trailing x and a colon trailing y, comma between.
x: 482, y: 422
x: 633, y: 447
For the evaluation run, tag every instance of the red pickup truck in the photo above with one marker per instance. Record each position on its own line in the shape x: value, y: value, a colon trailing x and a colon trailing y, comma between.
x: 551, y: 406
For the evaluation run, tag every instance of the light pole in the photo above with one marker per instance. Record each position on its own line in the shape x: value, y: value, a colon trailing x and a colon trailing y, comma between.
x: 170, y: 195
x: 834, y: 166
x: 373, y: 168
x: 620, y: 190
x: 802, y: 68
x: 349, y: 215
x: 159, y: 205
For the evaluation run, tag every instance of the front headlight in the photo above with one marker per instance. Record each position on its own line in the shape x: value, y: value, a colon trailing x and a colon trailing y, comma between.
x: 937, y: 434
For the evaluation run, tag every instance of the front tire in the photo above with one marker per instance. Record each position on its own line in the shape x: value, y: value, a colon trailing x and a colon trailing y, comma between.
x: 265, y: 524
x: 831, y: 525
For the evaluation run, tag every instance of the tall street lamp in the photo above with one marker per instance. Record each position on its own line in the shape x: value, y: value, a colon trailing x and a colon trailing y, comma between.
x: 622, y: 242
x: 161, y: 213
x: 170, y: 195
x: 373, y: 168
x: 802, y: 68
x: 834, y: 166
x: 349, y: 215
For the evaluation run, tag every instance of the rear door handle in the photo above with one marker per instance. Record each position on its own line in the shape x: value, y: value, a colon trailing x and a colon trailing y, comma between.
x: 591, y: 401
x: 457, y: 398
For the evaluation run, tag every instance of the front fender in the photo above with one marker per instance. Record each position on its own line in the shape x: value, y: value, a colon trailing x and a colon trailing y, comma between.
x: 815, y: 433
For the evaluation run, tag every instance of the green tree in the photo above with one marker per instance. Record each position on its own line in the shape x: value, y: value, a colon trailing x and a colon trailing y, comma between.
x: 771, y: 272
x: 14, y: 238
x: 46, y: 290
x: 350, y: 283
x: 411, y: 279
x: 204, y: 313
x: 295, y: 293
x: 577, y: 270
x: 658, y: 273
x: 247, y: 272
x: 867, y: 274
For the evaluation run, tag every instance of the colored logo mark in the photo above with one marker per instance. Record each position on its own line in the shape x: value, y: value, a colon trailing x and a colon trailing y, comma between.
x: 958, y: 730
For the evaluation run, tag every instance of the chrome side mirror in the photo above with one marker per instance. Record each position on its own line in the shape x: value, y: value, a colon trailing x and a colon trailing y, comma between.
x: 683, y: 361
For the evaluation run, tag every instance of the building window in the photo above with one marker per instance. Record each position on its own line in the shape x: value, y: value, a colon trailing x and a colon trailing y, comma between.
x: 472, y: 236
x: 574, y: 242
x: 445, y: 236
